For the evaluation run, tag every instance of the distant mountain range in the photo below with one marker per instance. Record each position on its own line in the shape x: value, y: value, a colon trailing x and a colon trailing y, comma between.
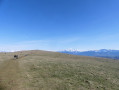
x: 105, y: 53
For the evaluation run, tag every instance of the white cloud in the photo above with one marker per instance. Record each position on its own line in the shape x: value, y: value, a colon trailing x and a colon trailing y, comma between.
x: 25, y: 45
x: 51, y: 45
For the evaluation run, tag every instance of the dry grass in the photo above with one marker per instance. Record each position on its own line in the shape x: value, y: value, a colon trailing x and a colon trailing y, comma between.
x: 42, y: 70
x: 56, y: 71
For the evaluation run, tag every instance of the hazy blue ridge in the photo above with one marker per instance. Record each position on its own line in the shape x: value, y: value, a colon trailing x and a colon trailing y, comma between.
x: 113, y: 54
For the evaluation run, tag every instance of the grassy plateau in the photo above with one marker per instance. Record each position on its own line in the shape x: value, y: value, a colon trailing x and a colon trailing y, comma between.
x: 43, y: 70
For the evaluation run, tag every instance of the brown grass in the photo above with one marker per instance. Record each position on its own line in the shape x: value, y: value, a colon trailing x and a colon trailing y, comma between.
x: 41, y: 70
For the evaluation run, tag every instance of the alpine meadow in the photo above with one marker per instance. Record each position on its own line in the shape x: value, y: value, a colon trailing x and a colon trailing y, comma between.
x: 59, y: 44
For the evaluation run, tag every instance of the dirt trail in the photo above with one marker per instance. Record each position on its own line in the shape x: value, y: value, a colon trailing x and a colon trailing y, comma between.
x: 10, y: 75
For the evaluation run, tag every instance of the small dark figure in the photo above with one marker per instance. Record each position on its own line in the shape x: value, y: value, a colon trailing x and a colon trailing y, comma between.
x: 15, y: 56
x: 25, y: 55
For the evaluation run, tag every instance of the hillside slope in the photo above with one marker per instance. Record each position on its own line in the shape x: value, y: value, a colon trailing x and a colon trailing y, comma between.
x: 41, y: 70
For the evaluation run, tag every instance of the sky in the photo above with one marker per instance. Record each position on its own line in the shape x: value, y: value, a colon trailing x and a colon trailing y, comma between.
x: 55, y: 25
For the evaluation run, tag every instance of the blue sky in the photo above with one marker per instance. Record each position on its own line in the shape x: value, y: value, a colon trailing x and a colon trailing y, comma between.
x: 59, y: 24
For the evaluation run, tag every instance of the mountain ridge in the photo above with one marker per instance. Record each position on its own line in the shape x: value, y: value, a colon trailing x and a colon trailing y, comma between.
x: 105, y: 53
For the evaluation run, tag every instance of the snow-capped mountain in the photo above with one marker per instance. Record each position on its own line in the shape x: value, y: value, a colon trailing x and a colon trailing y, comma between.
x: 106, y: 53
